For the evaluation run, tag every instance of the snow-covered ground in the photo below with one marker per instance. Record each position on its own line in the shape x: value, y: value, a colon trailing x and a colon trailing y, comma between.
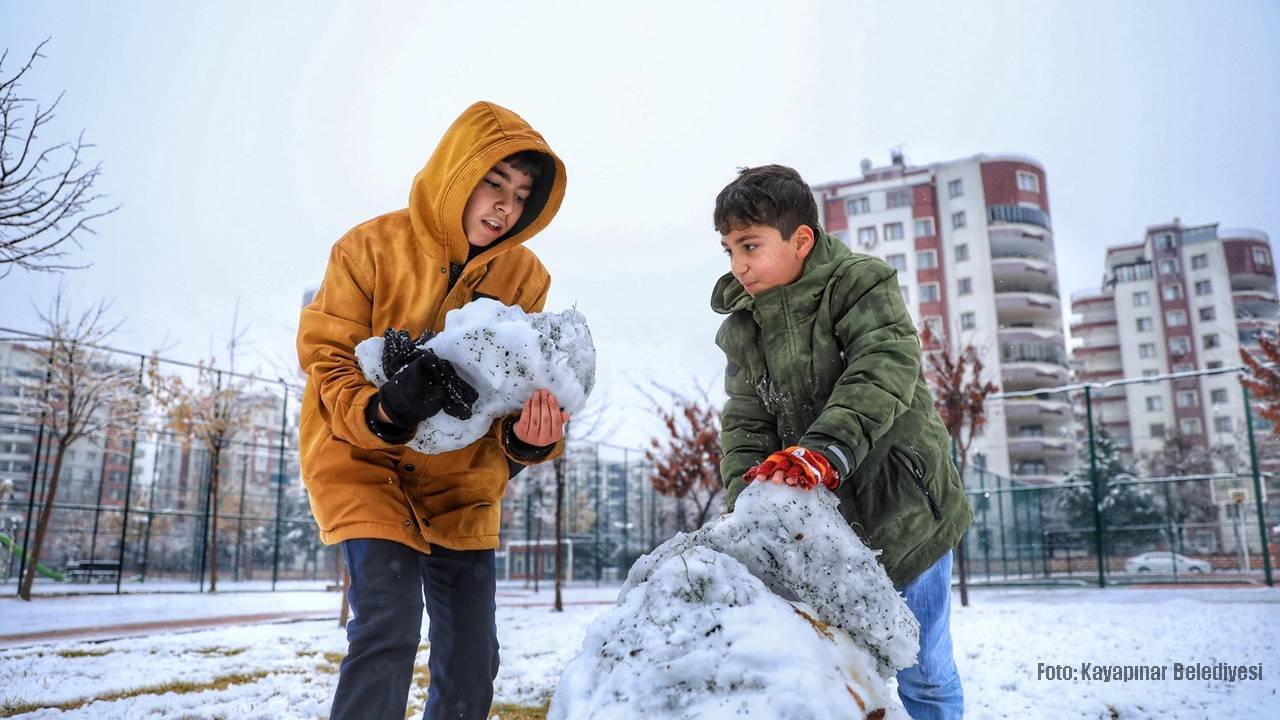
x: 288, y: 669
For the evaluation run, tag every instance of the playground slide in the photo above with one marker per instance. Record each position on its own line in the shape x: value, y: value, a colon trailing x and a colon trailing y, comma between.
x: 53, y: 574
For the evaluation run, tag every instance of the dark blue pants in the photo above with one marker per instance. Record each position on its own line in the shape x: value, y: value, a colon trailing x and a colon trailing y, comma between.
x: 390, y: 585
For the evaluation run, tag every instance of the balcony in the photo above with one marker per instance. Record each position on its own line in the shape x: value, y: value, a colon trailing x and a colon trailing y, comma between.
x: 1016, y: 305
x: 1017, y: 214
x: 1010, y: 243
x: 1016, y: 376
x: 1260, y: 279
x: 1094, y: 350
x: 1039, y: 411
x: 1255, y: 304
x: 1020, y: 447
x: 1025, y: 273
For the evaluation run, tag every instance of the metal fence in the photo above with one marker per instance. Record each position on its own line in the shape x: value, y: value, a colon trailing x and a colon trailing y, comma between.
x: 136, y: 504
x: 136, y: 508
x: 1139, y: 484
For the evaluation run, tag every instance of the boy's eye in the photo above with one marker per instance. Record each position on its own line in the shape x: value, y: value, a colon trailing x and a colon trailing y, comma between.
x: 728, y: 252
x: 491, y: 183
x: 522, y: 199
x: 748, y: 248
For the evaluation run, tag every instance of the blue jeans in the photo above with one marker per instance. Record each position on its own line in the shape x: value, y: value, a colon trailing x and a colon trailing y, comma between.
x: 391, y: 584
x: 930, y: 689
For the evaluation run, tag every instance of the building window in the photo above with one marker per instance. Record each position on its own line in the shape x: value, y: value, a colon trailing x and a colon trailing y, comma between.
x: 964, y: 286
x: 1182, y: 367
x: 934, y: 324
x: 1147, y: 350
x: 967, y: 321
x: 1188, y: 398
x: 1199, y: 262
x: 957, y: 219
x: 929, y: 292
x: 1210, y: 341
x: 962, y: 252
x: 1173, y: 291
x: 1175, y: 318
x: 1028, y: 182
x: 897, y: 262
x: 924, y: 227
x: 1179, y: 346
x: 1204, y: 287
x: 1218, y: 396
x: 1261, y: 256
x: 1141, y: 298
x: 900, y: 197
x: 867, y: 237
x: 1213, y: 365
x: 1164, y: 241
x: 1157, y: 430
x: 955, y: 188
x: 926, y: 260
x: 858, y: 205
x: 1222, y: 424
x: 1206, y: 313
x: 1190, y: 426
x: 1169, y: 266
x: 893, y: 231
x: 1144, y: 324
x: 1155, y: 402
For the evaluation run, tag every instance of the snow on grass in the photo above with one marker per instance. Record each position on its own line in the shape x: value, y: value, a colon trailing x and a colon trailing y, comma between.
x: 289, y: 670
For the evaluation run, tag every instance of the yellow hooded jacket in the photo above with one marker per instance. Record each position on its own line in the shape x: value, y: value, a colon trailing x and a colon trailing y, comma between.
x: 394, y: 271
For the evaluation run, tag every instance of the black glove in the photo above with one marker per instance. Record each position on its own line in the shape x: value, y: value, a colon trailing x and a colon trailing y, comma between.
x: 423, y: 388
x: 398, y: 349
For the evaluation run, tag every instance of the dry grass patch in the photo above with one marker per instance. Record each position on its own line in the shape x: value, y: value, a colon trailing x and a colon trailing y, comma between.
x: 179, y: 687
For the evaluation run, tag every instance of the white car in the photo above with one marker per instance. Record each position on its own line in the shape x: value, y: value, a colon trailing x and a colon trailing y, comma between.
x: 1161, y: 561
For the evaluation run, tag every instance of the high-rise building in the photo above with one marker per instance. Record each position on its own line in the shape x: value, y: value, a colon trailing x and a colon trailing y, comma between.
x: 1185, y: 298
x: 973, y: 245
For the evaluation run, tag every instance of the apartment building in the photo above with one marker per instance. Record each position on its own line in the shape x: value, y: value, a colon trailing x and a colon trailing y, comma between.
x: 1184, y: 298
x: 973, y: 244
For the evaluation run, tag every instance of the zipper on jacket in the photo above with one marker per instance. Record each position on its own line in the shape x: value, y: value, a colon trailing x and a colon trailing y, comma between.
x: 917, y: 475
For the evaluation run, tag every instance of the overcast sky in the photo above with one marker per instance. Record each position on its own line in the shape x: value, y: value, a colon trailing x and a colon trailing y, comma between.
x: 241, y: 139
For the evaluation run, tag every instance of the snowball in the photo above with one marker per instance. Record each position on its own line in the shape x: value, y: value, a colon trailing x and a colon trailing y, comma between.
x: 505, y: 354
x: 775, y: 611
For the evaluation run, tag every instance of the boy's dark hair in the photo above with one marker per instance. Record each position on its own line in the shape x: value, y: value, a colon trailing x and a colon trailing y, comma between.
x: 772, y: 195
x: 541, y: 169
x: 529, y: 162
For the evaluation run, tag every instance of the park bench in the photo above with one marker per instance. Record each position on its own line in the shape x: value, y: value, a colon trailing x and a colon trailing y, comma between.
x: 91, y: 569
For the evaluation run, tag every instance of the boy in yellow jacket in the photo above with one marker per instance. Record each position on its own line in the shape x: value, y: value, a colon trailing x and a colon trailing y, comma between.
x: 420, y: 530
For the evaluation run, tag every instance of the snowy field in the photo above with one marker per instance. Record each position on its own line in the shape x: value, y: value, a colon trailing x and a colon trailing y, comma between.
x: 288, y: 669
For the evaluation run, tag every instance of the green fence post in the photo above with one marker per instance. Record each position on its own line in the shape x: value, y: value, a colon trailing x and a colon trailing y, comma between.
x: 284, y: 427
x: 128, y: 487
x: 1093, y: 482
x: 1257, y: 491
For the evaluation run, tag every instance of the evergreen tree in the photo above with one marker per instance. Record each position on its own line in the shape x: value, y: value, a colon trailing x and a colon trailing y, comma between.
x: 1130, y: 517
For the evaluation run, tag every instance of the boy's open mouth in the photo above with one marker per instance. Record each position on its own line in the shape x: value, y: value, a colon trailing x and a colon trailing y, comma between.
x: 491, y: 225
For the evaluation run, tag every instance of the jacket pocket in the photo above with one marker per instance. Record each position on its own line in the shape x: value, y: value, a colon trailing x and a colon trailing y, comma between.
x: 914, y: 465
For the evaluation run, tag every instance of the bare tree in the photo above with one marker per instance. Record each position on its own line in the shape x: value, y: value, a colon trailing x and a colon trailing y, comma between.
x: 83, y: 395
x: 46, y: 193
x: 686, y: 460
x: 217, y: 409
x: 960, y: 395
x: 1262, y: 378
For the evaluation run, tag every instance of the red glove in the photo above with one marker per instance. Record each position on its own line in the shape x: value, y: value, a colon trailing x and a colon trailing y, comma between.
x: 801, y: 467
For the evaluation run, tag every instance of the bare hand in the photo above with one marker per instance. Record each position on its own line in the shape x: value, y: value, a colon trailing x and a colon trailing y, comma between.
x: 541, y: 420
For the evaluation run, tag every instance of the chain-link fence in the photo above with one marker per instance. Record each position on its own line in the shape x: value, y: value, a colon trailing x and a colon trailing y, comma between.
x: 1162, y: 479
x: 156, y: 500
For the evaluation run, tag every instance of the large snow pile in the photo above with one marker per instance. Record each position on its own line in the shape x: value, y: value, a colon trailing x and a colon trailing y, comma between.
x: 505, y: 354
x: 775, y: 611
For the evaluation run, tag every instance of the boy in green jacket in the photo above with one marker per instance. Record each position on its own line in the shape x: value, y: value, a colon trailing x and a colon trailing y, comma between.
x: 826, y: 386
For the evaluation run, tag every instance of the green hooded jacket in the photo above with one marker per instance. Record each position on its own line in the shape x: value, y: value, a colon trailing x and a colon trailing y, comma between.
x: 832, y: 362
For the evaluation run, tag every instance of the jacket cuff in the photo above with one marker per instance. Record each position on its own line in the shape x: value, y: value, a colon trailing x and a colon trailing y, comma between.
x: 387, y: 432
x: 522, y: 452
x: 839, y: 458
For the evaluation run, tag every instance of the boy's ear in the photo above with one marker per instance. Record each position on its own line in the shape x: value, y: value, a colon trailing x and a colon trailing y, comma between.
x: 803, y: 240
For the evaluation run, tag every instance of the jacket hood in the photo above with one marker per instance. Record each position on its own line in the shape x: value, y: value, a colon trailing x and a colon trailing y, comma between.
x: 481, y: 136
x: 729, y: 295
